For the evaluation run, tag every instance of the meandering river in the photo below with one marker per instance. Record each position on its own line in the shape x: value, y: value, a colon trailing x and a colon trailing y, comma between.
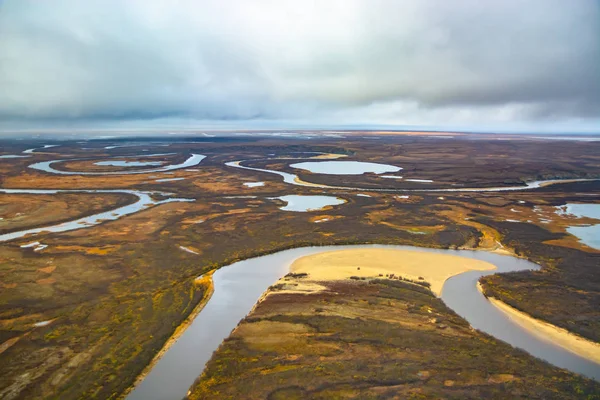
x: 46, y: 166
x: 239, y: 286
x: 144, y: 201
x: 144, y: 197
x: 293, y: 179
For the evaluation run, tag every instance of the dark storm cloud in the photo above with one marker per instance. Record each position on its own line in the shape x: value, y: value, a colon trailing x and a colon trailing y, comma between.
x: 350, y: 60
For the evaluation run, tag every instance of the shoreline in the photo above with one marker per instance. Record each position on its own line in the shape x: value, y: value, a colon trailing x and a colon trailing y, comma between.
x: 181, y: 328
x: 310, y: 285
x: 558, y: 336
x: 416, y: 266
x: 118, y: 204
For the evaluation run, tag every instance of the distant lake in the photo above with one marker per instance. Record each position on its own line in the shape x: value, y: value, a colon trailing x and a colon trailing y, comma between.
x: 589, y: 235
x: 308, y: 203
x: 345, y: 167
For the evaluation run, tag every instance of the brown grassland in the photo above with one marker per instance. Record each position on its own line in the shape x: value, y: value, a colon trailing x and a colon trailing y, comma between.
x: 115, y: 293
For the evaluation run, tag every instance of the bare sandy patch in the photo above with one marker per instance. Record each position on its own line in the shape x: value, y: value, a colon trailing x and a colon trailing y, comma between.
x: 48, y: 270
x: 9, y: 343
x: 373, y: 263
x: 328, y: 156
x: 46, y: 281
x: 324, y: 218
x: 561, y: 337
x: 310, y: 184
x: 297, y: 286
x: 258, y: 331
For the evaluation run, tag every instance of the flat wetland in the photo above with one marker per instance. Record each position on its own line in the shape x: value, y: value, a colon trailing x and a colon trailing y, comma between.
x: 86, y: 315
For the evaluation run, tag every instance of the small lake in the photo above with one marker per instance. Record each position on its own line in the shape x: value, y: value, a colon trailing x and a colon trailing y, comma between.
x: 344, y: 167
x: 239, y: 286
x: 254, y: 184
x: 301, y: 203
x: 589, y: 235
x: 293, y: 179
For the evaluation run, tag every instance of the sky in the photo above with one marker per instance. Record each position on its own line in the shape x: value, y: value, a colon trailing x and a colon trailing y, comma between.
x: 530, y: 65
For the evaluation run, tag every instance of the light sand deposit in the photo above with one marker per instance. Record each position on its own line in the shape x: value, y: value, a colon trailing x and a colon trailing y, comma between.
x: 371, y: 263
x: 558, y: 336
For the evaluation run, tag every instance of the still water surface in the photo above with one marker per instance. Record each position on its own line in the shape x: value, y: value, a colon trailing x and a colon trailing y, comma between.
x: 144, y: 200
x: 345, y: 167
x: 46, y: 166
x: 293, y: 179
x: 304, y: 203
x: 589, y: 235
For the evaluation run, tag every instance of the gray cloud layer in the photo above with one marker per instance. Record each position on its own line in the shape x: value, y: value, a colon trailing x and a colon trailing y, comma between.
x: 422, y: 61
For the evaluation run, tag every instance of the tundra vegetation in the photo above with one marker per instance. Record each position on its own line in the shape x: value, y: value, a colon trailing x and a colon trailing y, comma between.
x: 373, y: 339
x: 82, y: 317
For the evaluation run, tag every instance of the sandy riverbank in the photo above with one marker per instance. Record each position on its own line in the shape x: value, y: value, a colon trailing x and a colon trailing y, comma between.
x: 371, y: 263
x: 561, y: 337
x: 328, y: 156
x: 205, y: 279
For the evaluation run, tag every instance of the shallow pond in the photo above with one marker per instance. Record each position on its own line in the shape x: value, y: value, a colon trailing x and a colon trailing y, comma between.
x: 239, y: 286
x: 589, y: 235
x: 344, y: 167
x: 300, y: 203
x: 254, y: 184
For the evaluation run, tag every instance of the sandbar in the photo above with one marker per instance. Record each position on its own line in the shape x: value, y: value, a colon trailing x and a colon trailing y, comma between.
x: 377, y: 263
x: 559, y: 336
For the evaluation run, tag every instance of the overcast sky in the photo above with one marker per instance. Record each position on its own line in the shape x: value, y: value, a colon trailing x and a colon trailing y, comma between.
x: 438, y: 63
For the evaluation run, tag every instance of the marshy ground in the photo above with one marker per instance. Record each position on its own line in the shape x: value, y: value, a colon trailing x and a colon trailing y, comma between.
x: 114, y: 293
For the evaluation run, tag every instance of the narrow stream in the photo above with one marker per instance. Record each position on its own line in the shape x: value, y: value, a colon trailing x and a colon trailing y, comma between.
x: 46, y: 166
x: 144, y: 201
x: 144, y: 197
x: 239, y: 285
x: 293, y: 179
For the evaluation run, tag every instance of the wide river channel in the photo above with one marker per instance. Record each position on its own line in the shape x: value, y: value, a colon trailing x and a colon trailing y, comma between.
x: 239, y: 286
